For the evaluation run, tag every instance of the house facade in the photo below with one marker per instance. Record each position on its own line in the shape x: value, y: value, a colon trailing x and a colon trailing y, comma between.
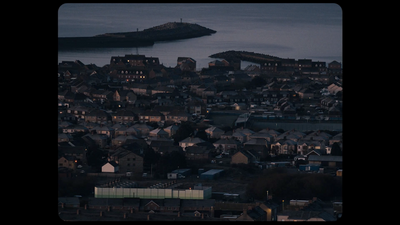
x: 127, y: 160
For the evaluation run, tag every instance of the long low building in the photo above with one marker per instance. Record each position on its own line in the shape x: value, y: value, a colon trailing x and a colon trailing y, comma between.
x: 211, y: 174
x: 198, y: 192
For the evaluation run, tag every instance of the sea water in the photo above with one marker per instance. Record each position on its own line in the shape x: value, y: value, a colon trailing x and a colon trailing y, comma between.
x: 312, y: 31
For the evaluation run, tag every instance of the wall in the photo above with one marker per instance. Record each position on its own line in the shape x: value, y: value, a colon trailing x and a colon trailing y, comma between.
x: 151, y: 193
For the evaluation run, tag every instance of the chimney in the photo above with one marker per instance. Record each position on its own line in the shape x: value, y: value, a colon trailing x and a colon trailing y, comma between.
x: 101, y: 213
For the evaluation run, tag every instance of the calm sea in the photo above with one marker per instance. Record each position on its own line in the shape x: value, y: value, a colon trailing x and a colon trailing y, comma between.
x: 312, y: 31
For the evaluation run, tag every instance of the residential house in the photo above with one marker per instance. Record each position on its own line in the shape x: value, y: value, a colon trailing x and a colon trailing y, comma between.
x: 283, y: 146
x: 214, y: 132
x: 186, y: 63
x: 64, y: 137
x: 226, y: 145
x: 159, y: 132
x: 151, y: 116
x: 124, y: 116
x: 102, y: 95
x: 317, y: 136
x: 196, y: 106
x: 272, y: 132
x: 67, y: 162
x: 139, y: 88
x: 99, y: 140
x: 337, y: 138
x: 239, y: 77
x: 302, y: 215
x: 209, y: 91
x: 128, y: 160
x: 136, y: 73
x: 128, y: 131
x: 123, y: 140
x: 178, y: 116
x: 124, y: 96
x: 198, y: 153
x: 305, y: 146
x: 252, y: 214
x: 258, y: 145
x: 293, y: 134
x: 327, y: 102
x: 143, y: 128
x: 97, y: 116
x: 69, y: 149
x: 189, y: 141
x: 110, y: 167
x: 171, y: 130
x: 245, y: 157
x: 306, y: 93
x: 200, y: 205
x: 270, y: 208
x: 79, y: 111
x: 242, y: 135
x: 335, y: 88
x: 271, y: 66
x: 335, y: 67
x: 106, y: 130
x: 160, y: 205
x: 266, y: 136
x: 236, y: 135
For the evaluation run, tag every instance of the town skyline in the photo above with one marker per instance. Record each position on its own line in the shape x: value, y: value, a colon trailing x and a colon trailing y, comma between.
x: 170, y: 112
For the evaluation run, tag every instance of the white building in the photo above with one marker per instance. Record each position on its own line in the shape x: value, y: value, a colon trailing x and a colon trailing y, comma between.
x: 110, y: 167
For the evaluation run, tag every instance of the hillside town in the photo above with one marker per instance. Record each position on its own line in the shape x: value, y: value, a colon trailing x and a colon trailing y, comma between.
x: 141, y: 141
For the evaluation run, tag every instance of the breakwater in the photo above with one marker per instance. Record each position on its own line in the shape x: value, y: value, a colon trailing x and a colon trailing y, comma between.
x: 245, y: 56
x: 147, y: 37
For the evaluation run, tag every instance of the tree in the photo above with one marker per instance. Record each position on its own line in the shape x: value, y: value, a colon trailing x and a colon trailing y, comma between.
x: 184, y: 131
x: 336, y: 150
x: 258, y: 81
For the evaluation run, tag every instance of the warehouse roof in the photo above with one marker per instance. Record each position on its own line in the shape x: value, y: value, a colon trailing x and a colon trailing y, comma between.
x: 212, y: 172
